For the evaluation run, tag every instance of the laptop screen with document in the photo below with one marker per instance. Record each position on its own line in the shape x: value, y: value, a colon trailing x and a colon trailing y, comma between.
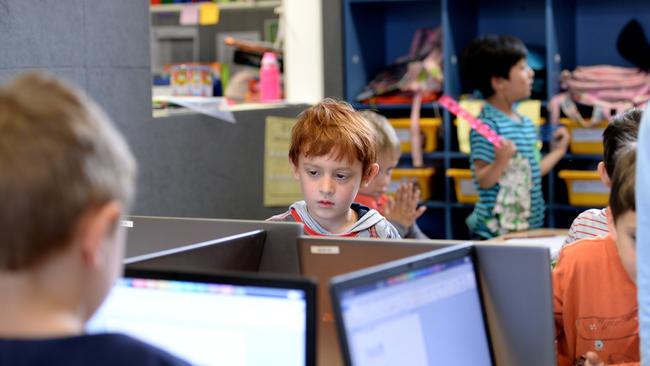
x: 421, y: 310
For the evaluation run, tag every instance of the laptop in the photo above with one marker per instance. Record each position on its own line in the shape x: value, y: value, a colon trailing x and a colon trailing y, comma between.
x: 149, y: 234
x: 239, y: 252
x: 322, y: 258
x: 421, y: 310
x: 215, y: 319
x: 515, y: 278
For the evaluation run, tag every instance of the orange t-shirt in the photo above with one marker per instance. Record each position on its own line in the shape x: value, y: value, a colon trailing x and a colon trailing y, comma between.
x: 378, y: 204
x: 595, y: 303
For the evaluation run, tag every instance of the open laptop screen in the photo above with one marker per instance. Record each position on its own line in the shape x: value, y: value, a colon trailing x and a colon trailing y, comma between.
x: 422, y: 310
x: 214, y: 320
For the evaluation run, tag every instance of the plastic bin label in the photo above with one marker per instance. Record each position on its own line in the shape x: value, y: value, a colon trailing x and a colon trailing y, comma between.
x: 467, y: 187
x: 403, y: 134
x: 324, y: 249
x: 587, y: 134
x: 589, y: 186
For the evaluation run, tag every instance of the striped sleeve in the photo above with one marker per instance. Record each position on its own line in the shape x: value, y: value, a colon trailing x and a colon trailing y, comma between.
x: 481, y: 148
x: 588, y: 224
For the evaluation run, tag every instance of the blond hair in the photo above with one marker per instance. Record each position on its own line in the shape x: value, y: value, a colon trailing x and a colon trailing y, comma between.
x: 59, y: 155
x: 333, y: 126
x: 385, y: 135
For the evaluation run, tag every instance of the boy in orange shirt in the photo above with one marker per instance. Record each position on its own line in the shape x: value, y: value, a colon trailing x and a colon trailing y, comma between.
x: 594, y: 284
x: 402, y: 211
x: 333, y: 153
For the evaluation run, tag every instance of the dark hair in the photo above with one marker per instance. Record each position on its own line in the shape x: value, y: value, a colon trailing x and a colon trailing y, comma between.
x: 621, y: 130
x: 489, y: 56
x: 621, y: 197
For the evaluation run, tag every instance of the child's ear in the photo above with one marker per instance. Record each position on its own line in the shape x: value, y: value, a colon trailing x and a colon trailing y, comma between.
x: 374, y: 169
x: 497, y: 83
x: 604, y: 177
x: 294, y: 168
x: 95, y: 226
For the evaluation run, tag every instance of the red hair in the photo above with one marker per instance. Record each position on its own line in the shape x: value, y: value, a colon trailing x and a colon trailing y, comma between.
x: 333, y: 126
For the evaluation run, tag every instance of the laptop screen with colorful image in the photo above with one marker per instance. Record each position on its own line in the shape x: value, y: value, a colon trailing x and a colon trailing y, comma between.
x: 233, y: 319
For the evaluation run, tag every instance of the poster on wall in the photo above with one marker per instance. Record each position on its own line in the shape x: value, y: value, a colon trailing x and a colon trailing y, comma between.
x: 280, y: 187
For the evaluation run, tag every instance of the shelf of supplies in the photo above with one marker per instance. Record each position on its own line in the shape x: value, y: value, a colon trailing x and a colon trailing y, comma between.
x: 457, y: 155
x: 565, y: 207
x: 431, y: 155
x: 443, y: 204
x: 437, y: 155
x: 374, y: 1
x: 393, y: 107
x: 177, y: 8
x: 435, y: 204
x: 570, y: 156
x: 461, y: 205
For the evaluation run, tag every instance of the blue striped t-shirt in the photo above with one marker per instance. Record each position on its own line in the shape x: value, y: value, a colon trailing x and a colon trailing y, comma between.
x: 524, y: 135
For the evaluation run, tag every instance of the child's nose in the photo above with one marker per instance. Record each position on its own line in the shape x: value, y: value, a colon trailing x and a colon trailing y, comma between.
x: 327, y: 186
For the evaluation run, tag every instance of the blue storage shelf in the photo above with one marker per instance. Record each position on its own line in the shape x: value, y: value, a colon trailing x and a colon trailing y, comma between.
x: 376, y: 33
x: 570, y: 156
x: 392, y: 107
x: 568, y: 33
x: 584, y: 32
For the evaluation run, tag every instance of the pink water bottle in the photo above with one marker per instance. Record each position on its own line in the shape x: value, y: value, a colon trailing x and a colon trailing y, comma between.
x: 269, y: 78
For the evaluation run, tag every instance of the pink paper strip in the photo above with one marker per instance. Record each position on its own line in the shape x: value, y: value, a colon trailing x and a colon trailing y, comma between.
x: 452, y: 106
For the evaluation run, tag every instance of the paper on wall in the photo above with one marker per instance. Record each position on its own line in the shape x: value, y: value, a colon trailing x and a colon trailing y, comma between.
x: 280, y: 187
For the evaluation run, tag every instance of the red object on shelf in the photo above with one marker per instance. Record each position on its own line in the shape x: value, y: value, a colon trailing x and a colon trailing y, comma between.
x: 400, y: 99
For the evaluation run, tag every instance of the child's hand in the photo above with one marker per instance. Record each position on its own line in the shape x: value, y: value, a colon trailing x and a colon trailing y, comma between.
x: 505, y: 152
x: 592, y: 359
x: 561, y: 139
x: 403, y: 208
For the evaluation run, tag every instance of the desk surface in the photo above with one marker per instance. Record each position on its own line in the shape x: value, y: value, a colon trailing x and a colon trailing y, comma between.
x: 534, y: 233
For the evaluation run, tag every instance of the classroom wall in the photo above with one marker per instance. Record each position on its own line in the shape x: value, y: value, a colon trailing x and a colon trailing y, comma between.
x: 192, y: 166
x: 332, y: 48
x: 303, y: 50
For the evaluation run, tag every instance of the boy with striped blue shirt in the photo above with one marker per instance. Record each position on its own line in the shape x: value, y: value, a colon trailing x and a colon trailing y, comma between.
x: 508, y: 178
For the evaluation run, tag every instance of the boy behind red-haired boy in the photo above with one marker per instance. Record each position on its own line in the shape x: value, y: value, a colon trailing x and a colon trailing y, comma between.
x: 402, y: 211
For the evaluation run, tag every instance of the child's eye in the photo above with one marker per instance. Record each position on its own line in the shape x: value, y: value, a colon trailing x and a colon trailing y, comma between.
x: 312, y: 173
x: 340, y: 176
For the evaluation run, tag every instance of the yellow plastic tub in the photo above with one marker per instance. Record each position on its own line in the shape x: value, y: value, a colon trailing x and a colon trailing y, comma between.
x: 585, y: 188
x: 420, y: 175
x: 465, y: 189
x: 428, y: 126
x: 530, y: 108
x: 585, y: 140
